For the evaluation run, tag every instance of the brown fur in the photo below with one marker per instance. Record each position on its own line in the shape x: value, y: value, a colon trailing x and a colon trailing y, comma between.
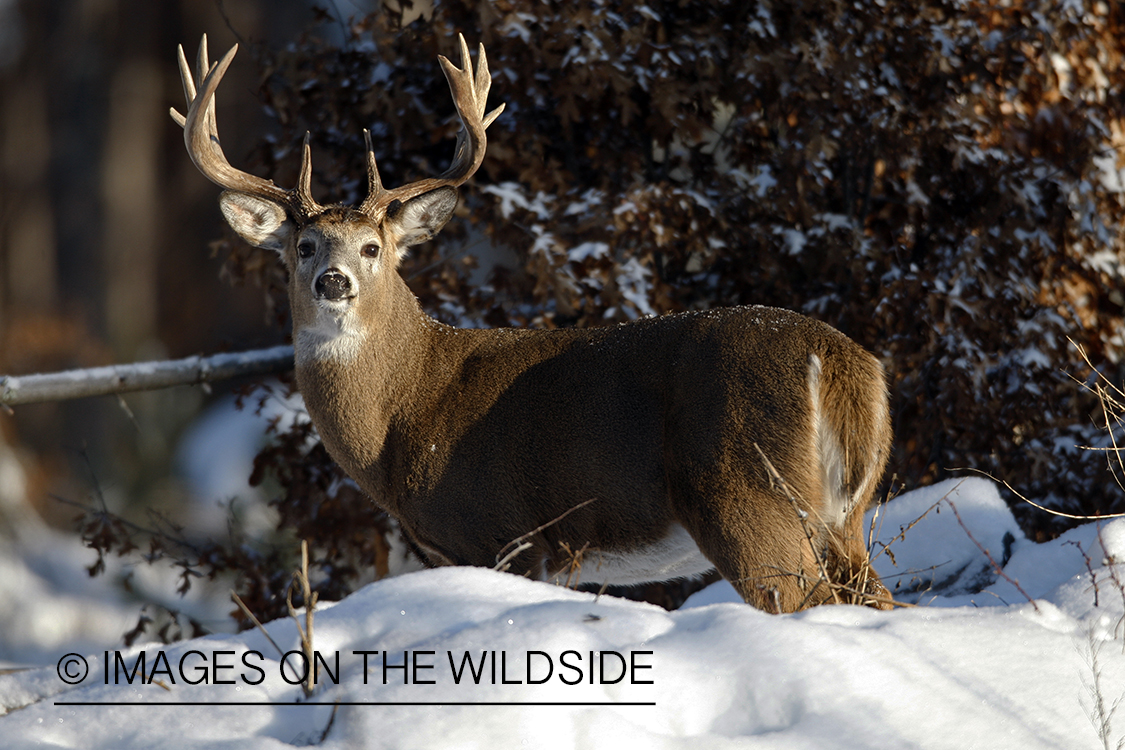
x: 760, y: 432
x: 471, y: 438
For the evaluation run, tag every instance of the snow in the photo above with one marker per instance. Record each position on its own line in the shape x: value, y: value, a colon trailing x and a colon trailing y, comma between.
x: 758, y: 183
x: 976, y: 664
x: 795, y: 240
x: 915, y: 195
x: 580, y: 253
x: 49, y: 605
x: 634, y: 285
x: 942, y: 556
x: 215, y: 457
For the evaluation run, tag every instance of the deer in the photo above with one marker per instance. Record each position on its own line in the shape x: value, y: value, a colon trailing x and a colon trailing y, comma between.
x: 748, y: 440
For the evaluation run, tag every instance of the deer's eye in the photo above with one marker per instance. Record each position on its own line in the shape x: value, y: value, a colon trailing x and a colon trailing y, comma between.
x: 370, y: 250
x: 305, y: 249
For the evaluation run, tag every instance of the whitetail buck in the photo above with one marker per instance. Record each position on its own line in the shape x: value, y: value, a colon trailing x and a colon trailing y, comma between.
x: 749, y: 440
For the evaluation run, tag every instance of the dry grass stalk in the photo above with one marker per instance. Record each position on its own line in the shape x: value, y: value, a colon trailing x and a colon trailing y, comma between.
x: 1100, y: 712
x: 778, y: 481
x: 301, y: 578
x: 574, y: 564
x: 1112, y: 400
x: 504, y: 557
x: 257, y: 623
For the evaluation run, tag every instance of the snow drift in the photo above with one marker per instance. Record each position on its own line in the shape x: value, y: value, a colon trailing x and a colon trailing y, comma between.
x: 975, y: 664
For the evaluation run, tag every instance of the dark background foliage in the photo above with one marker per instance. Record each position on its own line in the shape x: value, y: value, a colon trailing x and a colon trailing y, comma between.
x: 928, y: 177
x: 925, y: 176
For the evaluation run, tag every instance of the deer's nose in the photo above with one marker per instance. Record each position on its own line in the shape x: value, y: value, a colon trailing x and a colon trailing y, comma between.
x: 333, y: 284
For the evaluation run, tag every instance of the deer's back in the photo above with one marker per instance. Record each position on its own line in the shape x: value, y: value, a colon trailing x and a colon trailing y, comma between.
x: 531, y: 423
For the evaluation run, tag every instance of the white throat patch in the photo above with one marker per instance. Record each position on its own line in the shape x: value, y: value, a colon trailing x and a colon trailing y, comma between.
x: 336, y: 336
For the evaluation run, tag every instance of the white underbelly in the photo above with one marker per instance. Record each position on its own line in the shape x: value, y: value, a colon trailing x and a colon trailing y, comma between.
x: 674, y: 556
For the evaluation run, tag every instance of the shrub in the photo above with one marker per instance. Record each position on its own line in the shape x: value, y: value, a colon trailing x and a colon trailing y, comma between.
x: 938, y: 179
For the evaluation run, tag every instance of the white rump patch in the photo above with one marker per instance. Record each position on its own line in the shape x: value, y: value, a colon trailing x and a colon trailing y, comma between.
x: 837, y: 504
x: 674, y: 556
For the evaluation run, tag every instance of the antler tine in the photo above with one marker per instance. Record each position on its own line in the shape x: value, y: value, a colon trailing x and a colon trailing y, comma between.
x: 202, y: 59
x: 470, y: 95
x: 201, y: 137
x: 188, y: 79
x: 374, y: 182
x: 373, y: 203
x: 482, y: 84
x: 202, y: 68
x: 188, y: 83
x: 302, y: 194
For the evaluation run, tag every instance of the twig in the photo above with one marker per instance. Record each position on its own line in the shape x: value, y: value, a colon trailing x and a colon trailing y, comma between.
x: 847, y: 589
x: 1089, y: 566
x: 1099, y: 714
x: 901, y: 535
x: 142, y: 376
x: 1033, y: 504
x: 874, y: 529
x: 1110, y: 406
x: 127, y: 524
x: 803, y: 515
x: 521, y: 543
x: 128, y: 412
x: 995, y: 565
x: 328, y: 726
x: 1105, y: 399
x: 574, y: 566
x: 227, y: 21
x: 876, y: 523
x: 1112, y: 565
x: 502, y: 566
x: 98, y: 494
x: 301, y: 578
x: 246, y: 611
x: 344, y: 33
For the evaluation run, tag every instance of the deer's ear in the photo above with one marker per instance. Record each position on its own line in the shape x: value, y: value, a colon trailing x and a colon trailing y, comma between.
x: 263, y: 223
x: 420, y: 218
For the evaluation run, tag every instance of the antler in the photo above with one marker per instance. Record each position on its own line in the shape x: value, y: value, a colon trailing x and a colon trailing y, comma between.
x: 470, y: 94
x: 201, y: 136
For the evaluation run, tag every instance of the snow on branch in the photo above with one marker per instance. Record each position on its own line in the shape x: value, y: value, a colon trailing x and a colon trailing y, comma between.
x: 142, y: 376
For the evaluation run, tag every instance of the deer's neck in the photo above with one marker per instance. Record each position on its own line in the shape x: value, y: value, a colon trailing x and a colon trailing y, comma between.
x: 359, y: 383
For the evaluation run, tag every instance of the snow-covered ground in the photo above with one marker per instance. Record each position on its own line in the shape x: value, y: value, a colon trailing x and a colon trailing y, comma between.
x: 50, y: 605
x: 976, y: 664
x: 48, y: 601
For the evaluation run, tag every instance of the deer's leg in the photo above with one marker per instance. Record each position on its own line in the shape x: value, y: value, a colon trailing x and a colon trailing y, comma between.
x: 758, y: 544
x: 850, y: 565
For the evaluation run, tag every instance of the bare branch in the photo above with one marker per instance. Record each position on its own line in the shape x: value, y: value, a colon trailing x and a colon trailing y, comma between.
x: 779, y: 481
x: 258, y: 623
x: 301, y: 578
x: 522, y: 539
x: 1034, y: 504
x: 504, y: 563
x: 142, y: 376
x: 997, y: 567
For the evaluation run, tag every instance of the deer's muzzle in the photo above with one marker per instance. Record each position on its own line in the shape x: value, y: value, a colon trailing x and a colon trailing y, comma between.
x: 333, y: 285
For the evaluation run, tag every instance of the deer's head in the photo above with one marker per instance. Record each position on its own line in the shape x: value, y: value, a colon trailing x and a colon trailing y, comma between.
x: 340, y: 258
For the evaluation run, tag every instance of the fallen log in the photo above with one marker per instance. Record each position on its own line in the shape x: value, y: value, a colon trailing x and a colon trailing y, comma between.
x: 142, y: 376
